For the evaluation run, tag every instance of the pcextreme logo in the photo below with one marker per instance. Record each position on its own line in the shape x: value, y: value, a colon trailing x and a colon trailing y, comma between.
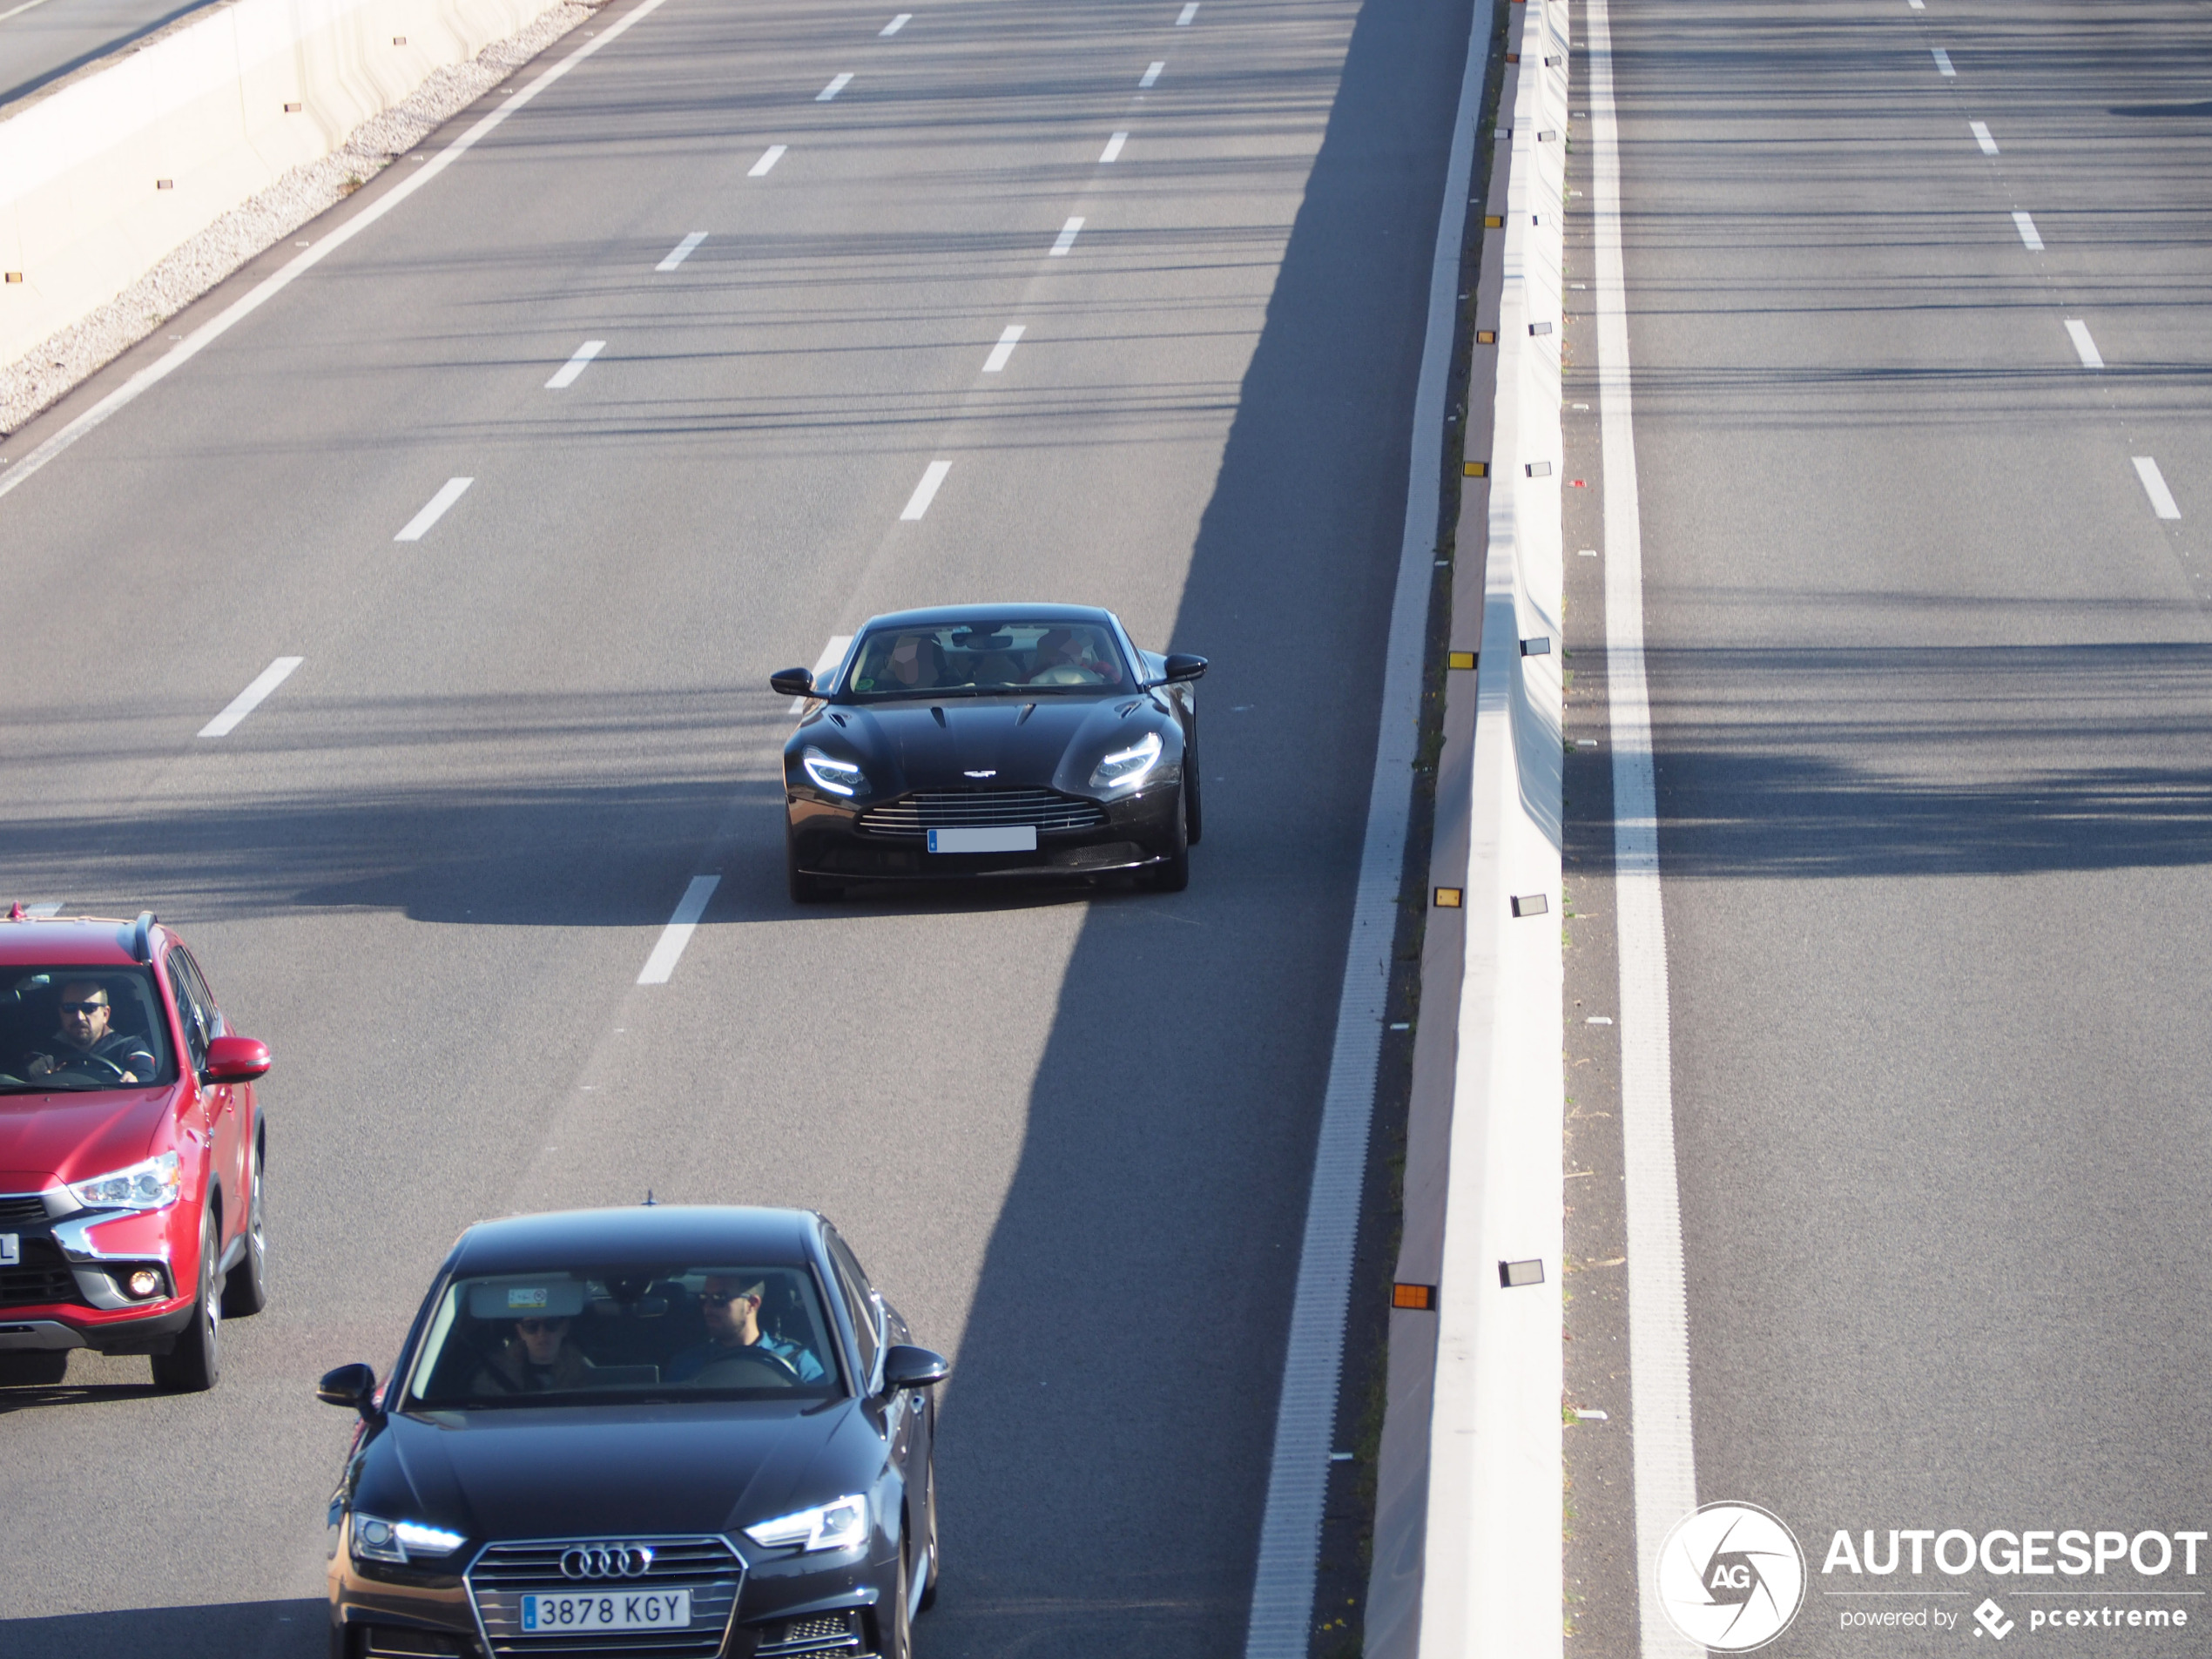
x: 1731, y: 1576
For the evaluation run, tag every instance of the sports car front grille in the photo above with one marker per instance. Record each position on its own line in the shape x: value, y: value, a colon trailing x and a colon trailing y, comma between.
x: 915, y: 815
x: 706, y: 1566
x: 22, y: 1210
x: 824, y: 1634
x: 41, y: 1280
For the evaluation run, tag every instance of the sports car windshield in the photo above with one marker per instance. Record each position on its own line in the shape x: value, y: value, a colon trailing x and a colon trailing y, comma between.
x: 74, y: 1028
x: 573, y: 1338
x: 986, y: 659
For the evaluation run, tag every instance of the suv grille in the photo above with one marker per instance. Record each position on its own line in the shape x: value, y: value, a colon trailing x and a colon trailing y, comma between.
x: 22, y: 1208
x: 917, y: 814
x: 826, y: 1634
x: 706, y: 1566
x: 41, y: 1280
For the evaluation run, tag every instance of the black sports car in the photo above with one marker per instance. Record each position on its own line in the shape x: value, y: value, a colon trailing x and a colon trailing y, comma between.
x: 992, y: 740
x: 660, y: 1430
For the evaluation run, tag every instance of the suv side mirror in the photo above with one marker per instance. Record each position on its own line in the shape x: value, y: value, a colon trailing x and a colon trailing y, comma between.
x: 904, y: 1367
x: 1182, y: 666
x: 236, y: 1060
x: 791, y: 682
x: 352, y: 1386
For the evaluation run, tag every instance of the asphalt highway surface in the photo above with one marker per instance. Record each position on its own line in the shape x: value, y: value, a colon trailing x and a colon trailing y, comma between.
x: 1070, y: 1133
x: 43, y: 40
x: 1917, y: 296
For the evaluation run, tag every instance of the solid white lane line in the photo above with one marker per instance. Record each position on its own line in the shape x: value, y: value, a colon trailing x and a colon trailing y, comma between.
x: 835, y: 86
x: 2161, y: 499
x: 1981, y: 129
x: 1664, y: 1456
x: 895, y: 25
x: 1943, y: 61
x: 681, y: 252
x: 249, y: 700
x: 678, y: 934
x: 1153, y: 73
x: 1067, y: 233
x: 209, y: 332
x: 2026, y: 226
x: 2084, y: 347
x: 1113, y: 148
x: 1003, y: 350
x: 565, y: 376
x: 769, y: 159
x: 833, y: 654
x: 1189, y: 12
x: 435, y: 509
x: 925, y: 491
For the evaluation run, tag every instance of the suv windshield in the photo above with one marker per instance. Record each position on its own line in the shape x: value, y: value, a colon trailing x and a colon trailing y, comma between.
x: 576, y: 1337
x: 986, y: 659
x: 81, y: 1028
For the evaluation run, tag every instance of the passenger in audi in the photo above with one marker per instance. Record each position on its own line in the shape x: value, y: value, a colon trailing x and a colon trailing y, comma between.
x: 537, y: 1360
x: 733, y: 1314
x: 83, y: 1043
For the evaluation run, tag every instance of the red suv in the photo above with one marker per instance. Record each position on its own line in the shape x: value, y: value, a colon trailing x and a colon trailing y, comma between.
x: 131, y: 1151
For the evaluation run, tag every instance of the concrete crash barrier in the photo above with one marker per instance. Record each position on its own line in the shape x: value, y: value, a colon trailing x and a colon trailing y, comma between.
x: 110, y: 171
x: 1469, y: 1505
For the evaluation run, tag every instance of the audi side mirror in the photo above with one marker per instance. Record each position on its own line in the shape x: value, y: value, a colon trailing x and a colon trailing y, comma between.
x: 1182, y: 666
x: 353, y: 1386
x: 791, y: 682
x: 904, y: 1367
x: 236, y: 1060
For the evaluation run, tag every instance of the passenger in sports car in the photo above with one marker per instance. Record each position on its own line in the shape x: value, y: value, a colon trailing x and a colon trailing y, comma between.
x: 84, y: 1035
x: 916, y: 662
x: 537, y: 1360
x: 733, y: 1315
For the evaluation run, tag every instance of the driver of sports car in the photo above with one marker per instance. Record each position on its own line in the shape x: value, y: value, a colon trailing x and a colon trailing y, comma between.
x: 84, y: 1035
x: 1069, y: 657
x: 732, y: 1310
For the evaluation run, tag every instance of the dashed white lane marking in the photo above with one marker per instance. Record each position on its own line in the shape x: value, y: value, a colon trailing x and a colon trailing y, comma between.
x: 1068, y: 234
x: 925, y: 491
x: 249, y: 700
x: 769, y: 159
x: 2026, y: 226
x: 51, y: 907
x: 1112, y: 152
x: 1189, y: 12
x: 1943, y: 61
x: 833, y: 654
x: 2084, y: 347
x: 835, y: 86
x: 1003, y: 350
x: 1152, y: 74
x: 2161, y: 499
x: 1917, y: 5
x: 895, y: 25
x: 678, y: 934
x: 435, y: 509
x: 565, y: 376
x: 681, y: 252
x: 1981, y: 129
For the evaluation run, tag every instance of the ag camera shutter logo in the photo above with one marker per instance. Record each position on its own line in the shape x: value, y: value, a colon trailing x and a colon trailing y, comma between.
x: 1731, y: 1577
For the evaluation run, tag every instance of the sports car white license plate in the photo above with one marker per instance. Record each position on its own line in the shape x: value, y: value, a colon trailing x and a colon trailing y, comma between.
x: 10, y: 1250
x: 1016, y: 837
x: 545, y: 1615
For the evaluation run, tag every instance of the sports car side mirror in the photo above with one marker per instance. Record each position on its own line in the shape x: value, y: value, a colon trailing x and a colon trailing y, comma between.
x: 904, y: 1367
x: 1184, y: 667
x: 352, y: 1386
x: 236, y: 1060
x: 791, y: 682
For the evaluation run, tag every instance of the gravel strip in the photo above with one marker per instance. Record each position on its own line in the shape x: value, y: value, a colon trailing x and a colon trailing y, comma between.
x: 64, y: 359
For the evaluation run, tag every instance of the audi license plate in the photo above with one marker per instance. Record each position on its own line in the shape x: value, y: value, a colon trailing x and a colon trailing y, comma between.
x: 10, y: 1250
x: 1018, y: 838
x: 545, y: 1615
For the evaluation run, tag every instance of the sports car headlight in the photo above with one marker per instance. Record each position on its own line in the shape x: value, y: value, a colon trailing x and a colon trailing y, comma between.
x: 1128, y: 765
x: 151, y: 1185
x: 840, y: 1525
x: 839, y: 776
x: 401, y: 1542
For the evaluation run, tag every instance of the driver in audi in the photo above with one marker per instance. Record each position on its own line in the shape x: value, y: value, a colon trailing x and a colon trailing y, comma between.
x: 732, y: 1313
x: 84, y: 1035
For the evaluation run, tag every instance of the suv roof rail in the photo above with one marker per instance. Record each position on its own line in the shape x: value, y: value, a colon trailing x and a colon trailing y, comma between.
x: 142, y: 936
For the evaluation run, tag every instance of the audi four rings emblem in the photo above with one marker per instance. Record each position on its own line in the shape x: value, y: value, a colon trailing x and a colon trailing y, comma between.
x: 606, y: 1561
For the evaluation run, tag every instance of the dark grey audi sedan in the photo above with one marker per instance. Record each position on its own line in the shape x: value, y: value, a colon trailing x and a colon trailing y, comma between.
x: 670, y: 1430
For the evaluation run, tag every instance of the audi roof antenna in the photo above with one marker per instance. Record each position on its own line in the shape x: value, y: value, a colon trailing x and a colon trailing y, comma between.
x: 651, y: 1203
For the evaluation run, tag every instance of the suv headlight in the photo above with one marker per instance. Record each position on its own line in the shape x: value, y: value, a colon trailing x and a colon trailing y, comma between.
x: 839, y: 776
x: 399, y: 1541
x: 1128, y: 765
x: 840, y: 1525
x: 155, y: 1184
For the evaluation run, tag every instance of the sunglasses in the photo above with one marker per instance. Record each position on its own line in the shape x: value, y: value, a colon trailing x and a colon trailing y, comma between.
x: 722, y: 1298
x: 82, y: 1007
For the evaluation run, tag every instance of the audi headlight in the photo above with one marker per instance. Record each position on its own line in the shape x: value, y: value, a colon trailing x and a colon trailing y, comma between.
x: 839, y: 776
x: 401, y: 1542
x: 840, y: 1525
x: 154, y: 1185
x: 1128, y: 765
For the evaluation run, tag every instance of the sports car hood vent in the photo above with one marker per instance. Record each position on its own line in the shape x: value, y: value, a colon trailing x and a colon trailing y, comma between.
x: 940, y: 745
